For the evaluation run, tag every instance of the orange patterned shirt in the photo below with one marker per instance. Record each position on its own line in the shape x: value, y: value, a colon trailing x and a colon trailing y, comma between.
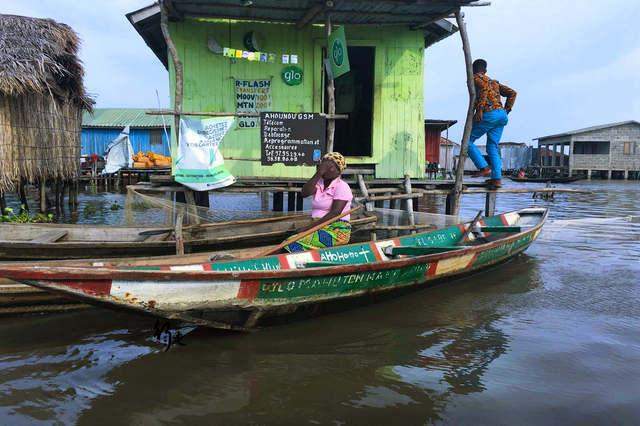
x: 488, y: 94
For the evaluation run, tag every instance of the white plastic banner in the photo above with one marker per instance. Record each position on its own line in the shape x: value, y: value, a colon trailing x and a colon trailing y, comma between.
x: 199, y: 164
x: 119, y: 153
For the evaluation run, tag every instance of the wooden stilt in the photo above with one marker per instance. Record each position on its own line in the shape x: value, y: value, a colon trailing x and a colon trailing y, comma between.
x: 63, y: 189
x: 56, y: 200
x: 457, y: 192
x: 22, y: 194
x: 278, y: 201
x: 448, y: 204
x: 192, y: 206
x: 331, y: 90
x: 368, y: 206
x: 490, y: 204
x: 264, y: 200
x: 407, y: 188
x: 177, y: 66
x: 178, y: 233
x: 43, y: 196
x: 291, y: 201
x: 299, y: 202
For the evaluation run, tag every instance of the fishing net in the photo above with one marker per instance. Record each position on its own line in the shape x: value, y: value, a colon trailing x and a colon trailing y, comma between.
x: 155, y: 209
x: 162, y: 209
x: 394, y: 217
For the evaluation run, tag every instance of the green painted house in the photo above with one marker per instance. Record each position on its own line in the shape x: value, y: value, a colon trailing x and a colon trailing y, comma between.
x: 383, y: 94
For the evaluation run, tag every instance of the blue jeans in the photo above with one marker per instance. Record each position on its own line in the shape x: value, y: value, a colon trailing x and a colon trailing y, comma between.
x: 492, y: 125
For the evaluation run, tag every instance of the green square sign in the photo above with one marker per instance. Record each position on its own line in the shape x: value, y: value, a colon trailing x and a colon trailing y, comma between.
x: 338, y: 54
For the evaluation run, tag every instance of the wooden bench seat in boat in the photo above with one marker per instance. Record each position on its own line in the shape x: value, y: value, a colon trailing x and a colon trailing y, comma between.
x: 49, y: 237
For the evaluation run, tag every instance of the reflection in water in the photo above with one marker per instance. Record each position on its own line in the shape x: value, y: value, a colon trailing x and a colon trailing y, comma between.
x: 67, y: 377
x: 549, y: 334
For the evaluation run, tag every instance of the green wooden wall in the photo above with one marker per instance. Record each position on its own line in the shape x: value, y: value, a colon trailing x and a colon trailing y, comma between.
x: 398, y: 129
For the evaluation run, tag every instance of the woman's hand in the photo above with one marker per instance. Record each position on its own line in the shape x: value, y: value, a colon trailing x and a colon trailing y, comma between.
x: 322, y: 168
x: 309, y: 188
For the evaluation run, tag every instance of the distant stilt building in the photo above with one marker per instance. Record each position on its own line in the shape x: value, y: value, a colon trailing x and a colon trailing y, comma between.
x: 610, y: 150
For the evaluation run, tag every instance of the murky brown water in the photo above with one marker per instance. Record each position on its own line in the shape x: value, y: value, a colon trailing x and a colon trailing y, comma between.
x: 551, y: 337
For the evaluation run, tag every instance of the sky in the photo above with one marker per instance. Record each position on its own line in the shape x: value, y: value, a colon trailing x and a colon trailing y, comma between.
x: 574, y: 63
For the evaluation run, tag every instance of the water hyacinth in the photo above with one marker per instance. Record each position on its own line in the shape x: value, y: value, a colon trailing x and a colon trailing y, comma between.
x: 8, y: 216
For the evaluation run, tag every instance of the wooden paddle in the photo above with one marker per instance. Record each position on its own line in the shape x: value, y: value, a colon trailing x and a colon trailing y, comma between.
x: 471, y: 227
x: 303, y: 234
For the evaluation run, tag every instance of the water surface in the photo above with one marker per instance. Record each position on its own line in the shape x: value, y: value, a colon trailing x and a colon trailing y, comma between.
x: 550, y: 337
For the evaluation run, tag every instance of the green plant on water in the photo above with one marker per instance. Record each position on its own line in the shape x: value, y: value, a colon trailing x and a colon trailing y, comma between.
x: 9, y: 216
x: 90, y: 209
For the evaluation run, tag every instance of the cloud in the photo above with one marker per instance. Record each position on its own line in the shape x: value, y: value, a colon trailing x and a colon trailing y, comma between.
x: 574, y: 64
x: 120, y: 70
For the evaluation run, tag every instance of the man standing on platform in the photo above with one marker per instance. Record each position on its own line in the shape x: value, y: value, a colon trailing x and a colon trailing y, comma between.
x: 490, y: 118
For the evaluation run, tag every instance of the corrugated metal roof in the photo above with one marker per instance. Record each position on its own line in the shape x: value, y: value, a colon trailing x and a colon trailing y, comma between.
x: 589, y: 129
x: 121, y: 117
x: 342, y: 12
x: 419, y: 15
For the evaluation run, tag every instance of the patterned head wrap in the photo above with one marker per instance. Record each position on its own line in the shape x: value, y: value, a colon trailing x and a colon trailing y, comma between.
x: 337, y: 158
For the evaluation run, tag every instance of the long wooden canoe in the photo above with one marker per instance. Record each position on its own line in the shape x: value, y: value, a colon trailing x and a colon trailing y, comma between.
x: 25, y: 241
x: 563, y: 179
x: 241, y: 293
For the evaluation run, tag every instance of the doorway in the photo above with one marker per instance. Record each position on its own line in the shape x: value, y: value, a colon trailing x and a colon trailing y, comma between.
x: 354, y: 97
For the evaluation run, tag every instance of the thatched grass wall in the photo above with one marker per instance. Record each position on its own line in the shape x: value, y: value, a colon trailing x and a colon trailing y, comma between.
x: 42, y: 97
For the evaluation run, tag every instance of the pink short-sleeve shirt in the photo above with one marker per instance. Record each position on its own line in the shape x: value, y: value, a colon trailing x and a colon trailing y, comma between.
x: 323, y: 198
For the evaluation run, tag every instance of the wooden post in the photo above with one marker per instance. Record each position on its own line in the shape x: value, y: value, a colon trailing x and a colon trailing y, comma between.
x: 331, y: 90
x: 457, y: 191
x: 368, y: 205
x: 299, y: 201
x: 56, y: 197
x: 490, y: 204
x: 407, y: 188
x: 22, y: 193
x: 178, y: 232
x: 365, y: 192
x: 63, y: 188
x: 190, y: 199
x: 3, y: 203
x: 278, y: 201
x: 291, y: 201
x: 43, y: 196
x: 177, y: 66
x: 264, y: 200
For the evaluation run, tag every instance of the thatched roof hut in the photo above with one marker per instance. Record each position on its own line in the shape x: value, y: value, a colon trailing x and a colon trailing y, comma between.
x: 42, y: 97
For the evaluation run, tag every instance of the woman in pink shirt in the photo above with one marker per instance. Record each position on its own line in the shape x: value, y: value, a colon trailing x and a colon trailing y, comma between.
x: 331, y: 197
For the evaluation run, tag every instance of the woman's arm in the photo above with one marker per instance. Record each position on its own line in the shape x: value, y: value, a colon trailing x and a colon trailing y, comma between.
x: 309, y: 188
x: 336, y: 208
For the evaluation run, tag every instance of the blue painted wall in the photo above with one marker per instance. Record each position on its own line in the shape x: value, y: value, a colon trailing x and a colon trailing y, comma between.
x: 95, y: 141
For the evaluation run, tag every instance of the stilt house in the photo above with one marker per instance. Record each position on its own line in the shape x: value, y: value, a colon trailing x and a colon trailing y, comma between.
x: 382, y: 95
x: 42, y: 98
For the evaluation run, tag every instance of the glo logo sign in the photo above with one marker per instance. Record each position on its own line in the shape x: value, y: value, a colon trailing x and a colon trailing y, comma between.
x: 292, y: 75
x: 338, y: 53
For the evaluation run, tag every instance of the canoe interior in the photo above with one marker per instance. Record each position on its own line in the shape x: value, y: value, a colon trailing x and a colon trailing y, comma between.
x: 89, y: 233
x: 63, y: 241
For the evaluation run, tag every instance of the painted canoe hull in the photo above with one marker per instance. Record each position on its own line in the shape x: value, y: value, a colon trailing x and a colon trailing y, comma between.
x: 244, y: 293
x: 567, y: 179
